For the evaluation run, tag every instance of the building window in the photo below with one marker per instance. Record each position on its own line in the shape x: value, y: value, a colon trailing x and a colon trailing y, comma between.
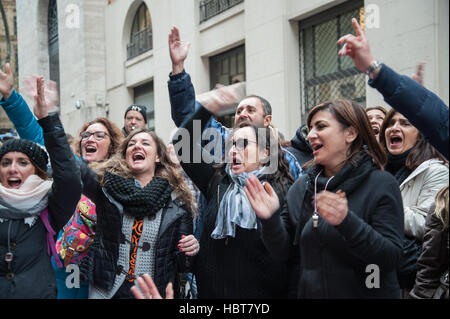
x: 141, y: 33
x: 324, y: 75
x: 211, y: 8
x: 53, y: 42
x: 228, y: 68
x: 144, y: 95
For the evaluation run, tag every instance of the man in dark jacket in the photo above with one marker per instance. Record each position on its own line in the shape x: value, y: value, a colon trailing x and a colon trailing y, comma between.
x: 426, y: 111
x: 183, y: 101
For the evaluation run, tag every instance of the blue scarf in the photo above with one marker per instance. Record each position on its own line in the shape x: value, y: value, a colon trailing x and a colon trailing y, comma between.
x: 235, y: 208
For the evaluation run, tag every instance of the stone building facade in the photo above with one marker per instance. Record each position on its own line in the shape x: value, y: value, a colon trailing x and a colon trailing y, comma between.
x: 115, y: 52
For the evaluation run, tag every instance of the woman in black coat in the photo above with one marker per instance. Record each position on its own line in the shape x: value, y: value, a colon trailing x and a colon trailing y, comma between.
x: 33, y: 208
x: 233, y: 262
x: 345, y: 215
x: 144, y: 218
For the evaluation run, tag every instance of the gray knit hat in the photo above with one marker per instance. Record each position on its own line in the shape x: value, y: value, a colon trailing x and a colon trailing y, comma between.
x: 35, y: 152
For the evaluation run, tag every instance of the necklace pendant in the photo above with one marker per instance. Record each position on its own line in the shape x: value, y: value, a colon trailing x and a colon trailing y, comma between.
x: 315, y: 219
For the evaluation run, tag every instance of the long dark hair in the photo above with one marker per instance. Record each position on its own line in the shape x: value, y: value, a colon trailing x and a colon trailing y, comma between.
x: 351, y: 114
x: 420, y: 152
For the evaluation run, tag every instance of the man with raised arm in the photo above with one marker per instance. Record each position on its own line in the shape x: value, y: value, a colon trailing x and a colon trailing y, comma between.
x: 183, y: 101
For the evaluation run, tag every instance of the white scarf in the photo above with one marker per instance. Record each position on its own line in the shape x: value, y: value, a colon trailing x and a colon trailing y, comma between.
x: 26, y: 201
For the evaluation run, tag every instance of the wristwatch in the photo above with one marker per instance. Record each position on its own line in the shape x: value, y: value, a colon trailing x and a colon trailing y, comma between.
x: 372, y: 67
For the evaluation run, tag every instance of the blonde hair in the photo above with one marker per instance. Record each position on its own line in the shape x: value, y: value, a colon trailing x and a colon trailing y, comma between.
x: 441, y: 202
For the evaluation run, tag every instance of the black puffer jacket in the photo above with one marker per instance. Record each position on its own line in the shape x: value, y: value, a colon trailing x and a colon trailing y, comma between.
x: 31, y: 274
x: 100, y: 267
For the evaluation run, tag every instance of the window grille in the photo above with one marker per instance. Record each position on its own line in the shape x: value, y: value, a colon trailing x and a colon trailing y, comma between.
x: 324, y: 75
x: 211, y: 8
x: 141, y: 39
x: 228, y: 68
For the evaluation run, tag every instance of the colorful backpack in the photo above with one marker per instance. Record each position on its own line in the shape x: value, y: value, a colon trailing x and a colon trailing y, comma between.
x: 78, y: 234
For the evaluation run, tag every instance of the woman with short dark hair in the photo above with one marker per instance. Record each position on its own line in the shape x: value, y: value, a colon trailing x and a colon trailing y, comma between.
x: 344, y: 225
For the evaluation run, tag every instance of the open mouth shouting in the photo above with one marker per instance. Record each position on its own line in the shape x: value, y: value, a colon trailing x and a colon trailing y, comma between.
x: 138, y: 157
x: 395, y: 141
x: 236, y: 163
x: 316, y: 147
x: 376, y: 129
x: 90, y: 149
x: 14, y: 182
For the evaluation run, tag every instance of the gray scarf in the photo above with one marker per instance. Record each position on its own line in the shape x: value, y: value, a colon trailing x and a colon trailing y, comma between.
x: 235, y: 208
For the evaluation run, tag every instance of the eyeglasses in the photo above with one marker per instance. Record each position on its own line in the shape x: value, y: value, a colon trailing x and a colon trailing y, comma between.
x: 99, y: 135
x: 241, y: 143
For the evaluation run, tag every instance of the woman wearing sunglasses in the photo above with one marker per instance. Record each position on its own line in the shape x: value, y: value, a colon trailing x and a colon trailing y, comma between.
x: 232, y: 261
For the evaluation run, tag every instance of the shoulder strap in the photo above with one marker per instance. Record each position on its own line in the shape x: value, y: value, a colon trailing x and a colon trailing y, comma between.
x: 51, y: 248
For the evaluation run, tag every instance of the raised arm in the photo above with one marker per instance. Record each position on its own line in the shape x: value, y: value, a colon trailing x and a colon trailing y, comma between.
x: 186, y: 145
x: 17, y: 109
x: 426, y: 111
x: 66, y: 188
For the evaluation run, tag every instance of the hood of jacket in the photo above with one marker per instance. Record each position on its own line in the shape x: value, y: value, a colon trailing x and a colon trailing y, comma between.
x: 300, y: 142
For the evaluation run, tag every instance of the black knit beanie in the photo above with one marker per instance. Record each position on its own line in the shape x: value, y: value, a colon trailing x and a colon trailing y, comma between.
x: 35, y: 152
x: 138, y: 108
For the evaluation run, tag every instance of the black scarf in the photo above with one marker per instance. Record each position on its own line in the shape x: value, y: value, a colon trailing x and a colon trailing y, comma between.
x: 347, y: 179
x: 396, y: 166
x: 139, y: 202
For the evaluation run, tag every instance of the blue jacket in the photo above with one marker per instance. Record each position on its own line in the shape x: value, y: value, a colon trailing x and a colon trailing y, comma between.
x: 425, y: 110
x: 183, y: 104
x: 23, y: 119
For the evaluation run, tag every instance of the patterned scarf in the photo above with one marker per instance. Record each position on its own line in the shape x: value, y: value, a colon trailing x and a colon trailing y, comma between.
x: 139, y: 202
x: 235, y: 208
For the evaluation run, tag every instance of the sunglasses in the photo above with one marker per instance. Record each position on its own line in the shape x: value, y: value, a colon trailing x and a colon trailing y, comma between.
x: 241, y: 143
x: 99, y: 135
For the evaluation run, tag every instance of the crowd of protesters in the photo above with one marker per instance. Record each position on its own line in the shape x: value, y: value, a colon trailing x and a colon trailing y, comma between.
x: 355, y: 205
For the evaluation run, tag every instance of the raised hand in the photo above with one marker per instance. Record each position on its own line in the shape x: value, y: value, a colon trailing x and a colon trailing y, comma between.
x: 40, y: 105
x: 178, y: 50
x: 356, y: 47
x: 418, y: 76
x: 149, y: 290
x: 6, y: 82
x: 50, y: 92
x: 263, y: 199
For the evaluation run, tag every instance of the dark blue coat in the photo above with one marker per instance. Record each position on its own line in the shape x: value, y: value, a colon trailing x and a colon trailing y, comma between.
x: 424, y: 109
